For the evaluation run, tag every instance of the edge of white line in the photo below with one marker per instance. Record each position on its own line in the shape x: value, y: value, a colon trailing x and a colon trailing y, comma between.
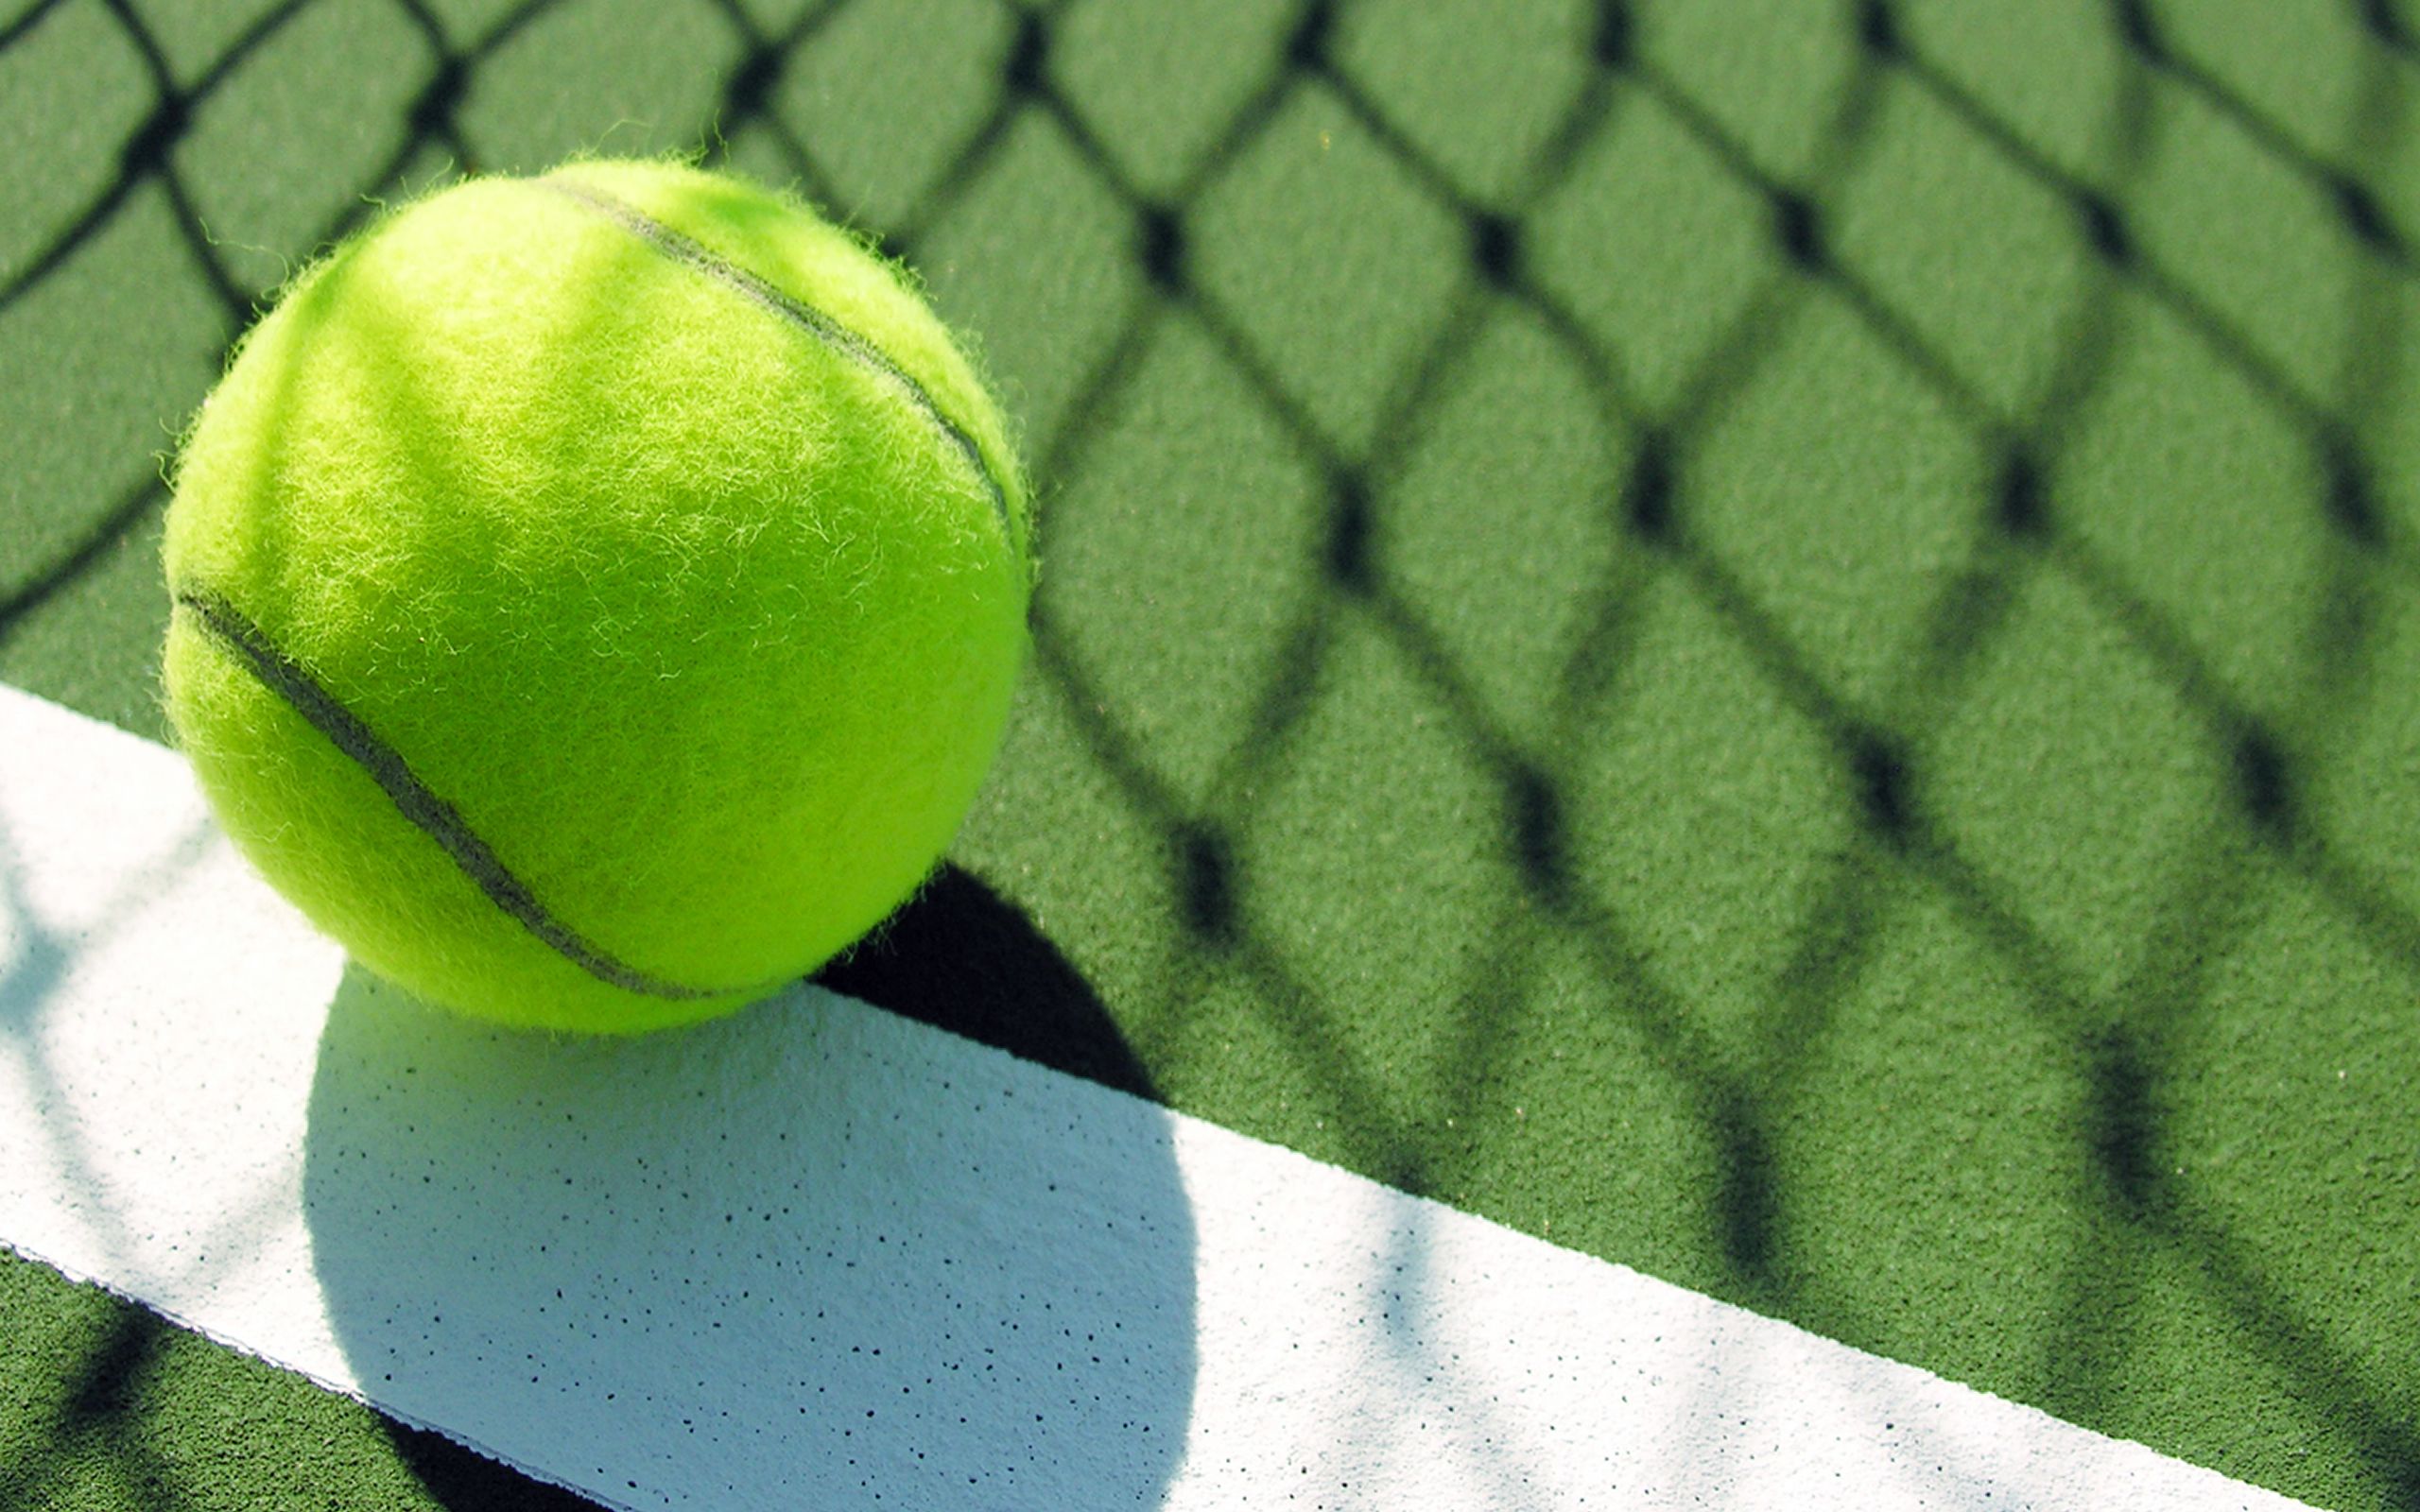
x: 816, y: 1252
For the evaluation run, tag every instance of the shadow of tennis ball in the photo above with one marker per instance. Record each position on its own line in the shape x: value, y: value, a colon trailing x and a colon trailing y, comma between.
x: 815, y: 1246
x: 961, y: 957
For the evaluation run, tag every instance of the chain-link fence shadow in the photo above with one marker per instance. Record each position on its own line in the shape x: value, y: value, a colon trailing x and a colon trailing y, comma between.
x: 1324, y: 344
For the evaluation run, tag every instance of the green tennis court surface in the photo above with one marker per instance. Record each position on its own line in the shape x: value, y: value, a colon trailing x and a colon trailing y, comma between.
x: 1780, y: 643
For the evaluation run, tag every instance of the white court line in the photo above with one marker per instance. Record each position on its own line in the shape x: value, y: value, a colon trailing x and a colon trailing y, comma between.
x: 815, y: 1254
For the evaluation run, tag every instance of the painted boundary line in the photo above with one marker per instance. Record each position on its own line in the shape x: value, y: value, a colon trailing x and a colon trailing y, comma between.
x: 816, y: 1253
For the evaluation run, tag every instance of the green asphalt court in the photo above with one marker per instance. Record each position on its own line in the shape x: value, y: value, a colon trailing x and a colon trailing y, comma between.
x: 1775, y: 643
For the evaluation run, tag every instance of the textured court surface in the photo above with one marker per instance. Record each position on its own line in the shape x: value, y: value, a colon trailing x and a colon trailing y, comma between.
x: 821, y: 1255
x: 1777, y: 644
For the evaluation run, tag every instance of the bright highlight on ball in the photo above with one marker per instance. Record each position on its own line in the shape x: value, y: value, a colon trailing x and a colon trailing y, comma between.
x: 597, y: 596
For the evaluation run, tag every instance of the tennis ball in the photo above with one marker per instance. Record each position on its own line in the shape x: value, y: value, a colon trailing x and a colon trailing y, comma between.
x: 595, y: 597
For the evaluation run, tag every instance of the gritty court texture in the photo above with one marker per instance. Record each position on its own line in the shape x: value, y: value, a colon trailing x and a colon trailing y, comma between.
x: 1761, y: 660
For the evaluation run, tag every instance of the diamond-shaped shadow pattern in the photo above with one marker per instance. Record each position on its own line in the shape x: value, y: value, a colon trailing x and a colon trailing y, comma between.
x: 1910, y: 554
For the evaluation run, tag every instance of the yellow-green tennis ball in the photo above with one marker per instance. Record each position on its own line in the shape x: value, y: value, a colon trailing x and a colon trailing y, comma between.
x: 597, y: 596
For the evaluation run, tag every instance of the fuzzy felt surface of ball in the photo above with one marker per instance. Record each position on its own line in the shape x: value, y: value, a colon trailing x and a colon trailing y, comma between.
x: 597, y: 596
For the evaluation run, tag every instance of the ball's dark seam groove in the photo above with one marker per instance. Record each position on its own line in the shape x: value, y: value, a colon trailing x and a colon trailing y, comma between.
x: 682, y: 247
x: 386, y: 766
x: 431, y: 813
